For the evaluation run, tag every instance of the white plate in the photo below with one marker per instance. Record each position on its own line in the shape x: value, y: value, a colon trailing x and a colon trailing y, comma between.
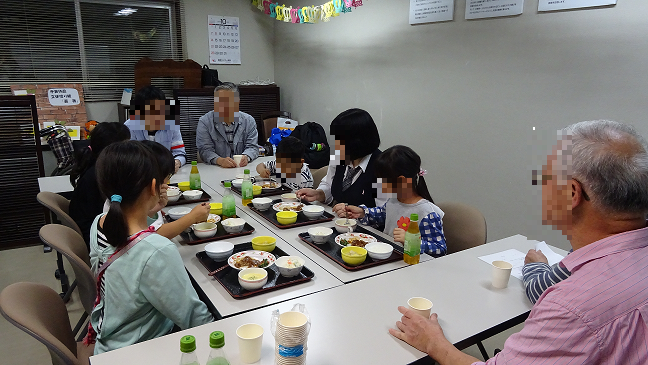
x: 273, y: 183
x: 213, y: 218
x: 345, y: 236
x: 279, y: 207
x: 257, y: 255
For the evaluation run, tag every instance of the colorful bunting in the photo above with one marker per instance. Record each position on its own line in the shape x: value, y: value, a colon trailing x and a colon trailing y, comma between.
x: 307, y: 14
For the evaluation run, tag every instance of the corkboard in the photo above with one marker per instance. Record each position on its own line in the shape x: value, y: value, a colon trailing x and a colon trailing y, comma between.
x: 72, y: 115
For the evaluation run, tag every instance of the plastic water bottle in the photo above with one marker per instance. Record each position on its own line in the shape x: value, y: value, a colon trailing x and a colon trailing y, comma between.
x: 217, y: 355
x: 412, y: 245
x: 229, y: 206
x: 246, y: 188
x: 194, y: 177
x: 188, y: 348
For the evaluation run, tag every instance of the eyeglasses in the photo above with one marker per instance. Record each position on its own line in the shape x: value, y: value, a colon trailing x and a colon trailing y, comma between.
x: 537, y: 177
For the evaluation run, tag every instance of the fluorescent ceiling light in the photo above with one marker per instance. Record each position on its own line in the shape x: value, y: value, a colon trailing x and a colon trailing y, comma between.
x: 126, y: 12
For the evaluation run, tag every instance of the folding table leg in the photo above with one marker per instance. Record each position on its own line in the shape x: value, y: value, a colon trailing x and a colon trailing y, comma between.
x: 484, y: 354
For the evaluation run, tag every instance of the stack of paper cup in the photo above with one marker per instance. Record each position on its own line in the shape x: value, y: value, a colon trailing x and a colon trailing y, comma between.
x: 291, y: 336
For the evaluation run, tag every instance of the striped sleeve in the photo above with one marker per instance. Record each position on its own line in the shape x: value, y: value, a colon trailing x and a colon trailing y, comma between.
x: 539, y: 276
x: 271, y: 166
x: 306, y: 177
x: 178, y: 147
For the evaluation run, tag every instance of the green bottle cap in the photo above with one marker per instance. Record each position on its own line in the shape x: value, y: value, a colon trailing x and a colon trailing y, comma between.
x: 413, y: 217
x: 246, y: 171
x: 194, y: 163
x: 228, y: 184
x: 188, y: 343
x: 217, y: 339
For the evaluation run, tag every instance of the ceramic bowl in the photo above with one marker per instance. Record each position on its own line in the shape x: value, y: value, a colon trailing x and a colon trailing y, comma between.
x: 204, y: 229
x: 192, y: 194
x: 342, y: 227
x: 379, y: 250
x: 264, y: 243
x: 313, y: 211
x: 252, y: 278
x: 289, y: 197
x: 353, y: 255
x: 220, y: 250
x: 237, y: 183
x: 233, y: 225
x: 320, y: 234
x: 289, y: 266
x: 286, y: 217
x: 183, y: 185
x: 262, y: 203
x: 179, y: 212
x: 256, y: 190
x: 173, y: 193
x: 216, y: 208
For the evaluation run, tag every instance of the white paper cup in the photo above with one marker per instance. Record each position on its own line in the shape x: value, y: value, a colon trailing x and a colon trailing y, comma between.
x: 250, y: 339
x: 421, y: 306
x: 237, y: 159
x: 501, y: 273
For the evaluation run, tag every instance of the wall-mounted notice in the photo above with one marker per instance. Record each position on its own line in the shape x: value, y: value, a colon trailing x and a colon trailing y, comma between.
x: 224, y: 40
x: 549, y: 5
x: 476, y: 9
x: 429, y: 11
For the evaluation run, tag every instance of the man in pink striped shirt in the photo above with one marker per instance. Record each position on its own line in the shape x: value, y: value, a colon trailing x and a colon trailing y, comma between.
x: 594, y: 190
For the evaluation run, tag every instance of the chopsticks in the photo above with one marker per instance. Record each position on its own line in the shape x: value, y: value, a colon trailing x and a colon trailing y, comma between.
x: 217, y: 270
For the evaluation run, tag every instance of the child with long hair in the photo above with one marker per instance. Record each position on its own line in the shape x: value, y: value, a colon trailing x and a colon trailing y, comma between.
x: 143, y: 294
x: 399, y: 169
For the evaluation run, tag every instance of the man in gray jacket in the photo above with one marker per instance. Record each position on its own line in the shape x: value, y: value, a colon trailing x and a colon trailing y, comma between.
x: 226, y: 131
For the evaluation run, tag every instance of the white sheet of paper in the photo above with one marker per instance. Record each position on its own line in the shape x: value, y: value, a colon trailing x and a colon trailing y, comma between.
x: 429, y: 11
x: 552, y: 257
x: 512, y: 256
x: 476, y: 9
x: 549, y: 5
x: 224, y: 40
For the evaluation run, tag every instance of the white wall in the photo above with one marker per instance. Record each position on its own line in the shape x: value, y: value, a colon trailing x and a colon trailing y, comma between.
x: 466, y: 94
x: 257, y: 49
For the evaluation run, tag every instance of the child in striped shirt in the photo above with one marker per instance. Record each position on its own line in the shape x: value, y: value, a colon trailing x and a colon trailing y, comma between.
x: 289, y: 166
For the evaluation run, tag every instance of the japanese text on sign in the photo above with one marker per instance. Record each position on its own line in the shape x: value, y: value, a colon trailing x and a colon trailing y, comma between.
x: 549, y: 5
x: 476, y: 9
x: 224, y: 40
x: 63, y: 97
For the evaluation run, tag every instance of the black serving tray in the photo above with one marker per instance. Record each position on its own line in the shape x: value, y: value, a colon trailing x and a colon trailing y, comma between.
x: 204, y: 198
x: 264, y: 193
x: 333, y: 250
x: 190, y: 239
x: 271, y: 216
x: 228, y: 277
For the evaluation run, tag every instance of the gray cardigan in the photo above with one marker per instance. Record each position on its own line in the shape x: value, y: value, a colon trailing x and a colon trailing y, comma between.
x: 211, y: 139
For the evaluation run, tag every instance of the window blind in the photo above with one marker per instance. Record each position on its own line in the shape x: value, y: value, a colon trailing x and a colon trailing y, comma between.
x: 92, y: 42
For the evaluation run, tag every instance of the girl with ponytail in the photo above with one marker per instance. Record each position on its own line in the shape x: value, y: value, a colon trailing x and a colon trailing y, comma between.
x: 143, y: 294
x: 399, y: 171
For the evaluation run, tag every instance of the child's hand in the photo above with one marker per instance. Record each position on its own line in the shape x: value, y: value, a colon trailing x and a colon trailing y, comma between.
x: 350, y: 211
x: 200, y: 213
x: 263, y: 171
x: 399, y: 235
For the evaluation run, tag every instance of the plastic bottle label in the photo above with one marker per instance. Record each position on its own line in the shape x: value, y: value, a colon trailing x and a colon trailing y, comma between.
x: 412, y: 245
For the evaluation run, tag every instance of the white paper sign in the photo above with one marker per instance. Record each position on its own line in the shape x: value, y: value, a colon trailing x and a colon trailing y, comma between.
x: 512, y: 256
x: 549, y: 5
x: 63, y: 97
x: 429, y: 11
x: 224, y: 40
x: 476, y: 9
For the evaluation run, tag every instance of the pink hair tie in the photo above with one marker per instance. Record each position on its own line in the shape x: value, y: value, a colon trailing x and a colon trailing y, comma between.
x: 422, y: 173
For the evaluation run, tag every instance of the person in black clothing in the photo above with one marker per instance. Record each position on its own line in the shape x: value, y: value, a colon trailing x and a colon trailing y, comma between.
x: 87, y: 201
x: 351, y: 175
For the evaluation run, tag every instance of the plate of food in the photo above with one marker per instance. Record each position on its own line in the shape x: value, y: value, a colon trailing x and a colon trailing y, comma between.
x: 354, y: 239
x: 245, y: 259
x: 268, y: 185
x: 288, y: 206
x: 213, y: 218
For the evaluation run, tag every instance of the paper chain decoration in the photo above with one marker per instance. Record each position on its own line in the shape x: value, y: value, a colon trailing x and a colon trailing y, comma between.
x: 307, y: 14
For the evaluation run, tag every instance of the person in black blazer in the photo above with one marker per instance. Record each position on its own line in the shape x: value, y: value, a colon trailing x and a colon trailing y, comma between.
x: 350, y: 177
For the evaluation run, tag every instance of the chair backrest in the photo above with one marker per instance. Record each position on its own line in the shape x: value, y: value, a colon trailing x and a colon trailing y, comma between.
x: 318, y: 175
x: 270, y: 121
x: 40, y: 312
x: 463, y: 226
x: 71, y: 245
x: 59, y: 206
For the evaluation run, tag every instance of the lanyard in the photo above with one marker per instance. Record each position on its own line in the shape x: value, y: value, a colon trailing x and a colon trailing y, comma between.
x: 132, y: 241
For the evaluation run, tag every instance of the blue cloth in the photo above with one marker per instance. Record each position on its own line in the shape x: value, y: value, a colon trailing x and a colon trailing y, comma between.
x: 278, y: 134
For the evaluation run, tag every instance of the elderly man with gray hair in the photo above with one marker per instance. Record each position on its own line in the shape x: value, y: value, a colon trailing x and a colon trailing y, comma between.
x: 595, y: 191
x: 226, y: 131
